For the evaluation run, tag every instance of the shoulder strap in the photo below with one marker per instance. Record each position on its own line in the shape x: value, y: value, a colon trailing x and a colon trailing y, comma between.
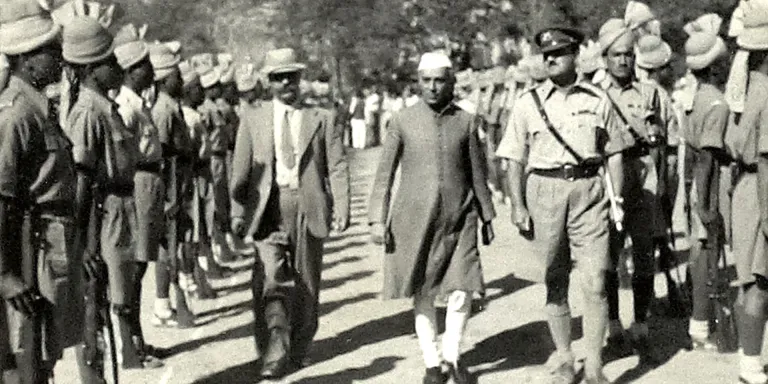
x: 636, y: 136
x: 552, y: 130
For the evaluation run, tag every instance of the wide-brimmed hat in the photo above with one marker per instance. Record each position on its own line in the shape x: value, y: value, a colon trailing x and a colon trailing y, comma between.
x: 281, y: 61
x: 130, y: 48
x: 554, y: 38
x: 85, y: 41
x: 638, y: 15
x: 651, y: 52
x: 164, y: 60
x: 209, y: 76
x: 612, y: 31
x: 25, y: 26
x: 245, y: 78
x: 754, y: 33
x: 188, y: 73
x: 702, y: 49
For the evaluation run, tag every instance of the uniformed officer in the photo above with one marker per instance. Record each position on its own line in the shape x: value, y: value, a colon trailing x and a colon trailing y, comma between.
x: 105, y: 152
x: 132, y: 55
x: 562, y: 146
x: 748, y: 144
x: 219, y: 140
x: 646, y: 115
x: 178, y: 156
x: 192, y: 97
x: 40, y: 271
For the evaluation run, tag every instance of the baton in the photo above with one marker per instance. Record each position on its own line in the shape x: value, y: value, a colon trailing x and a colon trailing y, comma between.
x: 612, y: 198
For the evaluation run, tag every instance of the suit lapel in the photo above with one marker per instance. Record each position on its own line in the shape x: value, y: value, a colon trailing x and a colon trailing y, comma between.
x: 309, y: 125
x: 268, y: 133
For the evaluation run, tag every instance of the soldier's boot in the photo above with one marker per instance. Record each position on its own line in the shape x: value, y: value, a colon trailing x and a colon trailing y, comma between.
x: 163, y: 315
x: 91, y: 368
x: 204, y: 289
x: 132, y: 355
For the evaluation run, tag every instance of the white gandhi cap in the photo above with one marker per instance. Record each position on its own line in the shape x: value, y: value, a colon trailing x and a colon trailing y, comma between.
x: 434, y: 60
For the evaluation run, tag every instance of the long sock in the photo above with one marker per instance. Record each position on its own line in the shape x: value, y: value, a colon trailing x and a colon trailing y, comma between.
x: 162, y: 280
x: 595, y: 320
x: 426, y: 329
x: 559, y: 322
x: 642, y: 291
x: 138, y: 332
x: 753, y: 321
x: 699, y: 277
x: 456, y: 316
x: 612, y: 291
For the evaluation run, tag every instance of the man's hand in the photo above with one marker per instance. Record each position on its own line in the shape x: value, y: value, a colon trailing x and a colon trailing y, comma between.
x: 238, y: 227
x: 95, y: 268
x: 488, y: 234
x: 340, y: 223
x: 376, y: 231
x: 25, y: 302
x: 521, y: 218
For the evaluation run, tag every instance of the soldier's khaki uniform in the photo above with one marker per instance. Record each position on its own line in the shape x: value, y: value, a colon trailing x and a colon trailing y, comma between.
x: 149, y: 188
x: 645, y: 171
x: 37, y: 175
x: 105, y: 147
x: 199, y: 141
x: 745, y: 142
x: 219, y: 141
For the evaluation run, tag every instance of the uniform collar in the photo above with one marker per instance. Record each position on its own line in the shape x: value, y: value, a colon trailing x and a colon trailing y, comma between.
x: 609, y: 82
x: 37, y: 98
x: 92, y: 97
x: 548, y: 87
x: 129, y: 98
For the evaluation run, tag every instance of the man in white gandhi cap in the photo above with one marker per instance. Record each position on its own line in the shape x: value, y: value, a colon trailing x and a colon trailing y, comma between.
x: 430, y: 232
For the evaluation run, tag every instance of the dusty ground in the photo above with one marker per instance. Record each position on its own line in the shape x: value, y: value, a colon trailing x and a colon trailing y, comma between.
x: 363, y: 339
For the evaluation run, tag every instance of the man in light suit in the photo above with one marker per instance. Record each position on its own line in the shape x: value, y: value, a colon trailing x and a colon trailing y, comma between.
x: 286, y: 155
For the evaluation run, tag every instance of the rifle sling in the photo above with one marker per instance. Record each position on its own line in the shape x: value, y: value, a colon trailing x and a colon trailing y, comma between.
x: 553, y: 130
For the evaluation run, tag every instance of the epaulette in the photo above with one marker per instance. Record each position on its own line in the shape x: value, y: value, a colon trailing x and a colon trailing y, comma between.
x: 591, y: 88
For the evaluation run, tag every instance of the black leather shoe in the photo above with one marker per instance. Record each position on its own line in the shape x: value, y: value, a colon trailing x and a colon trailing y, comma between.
x: 460, y: 374
x: 435, y: 376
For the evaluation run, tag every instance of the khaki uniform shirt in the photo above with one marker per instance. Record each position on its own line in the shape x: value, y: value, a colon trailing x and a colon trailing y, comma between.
x: 166, y: 113
x: 583, y: 116
x: 708, y: 119
x: 101, y: 141
x: 639, y: 101
x: 216, y: 125
x: 137, y: 119
x: 36, y: 164
x: 746, y: 140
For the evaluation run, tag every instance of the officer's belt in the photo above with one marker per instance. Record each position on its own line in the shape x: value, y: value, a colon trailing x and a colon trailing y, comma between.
x: 119, y: 189
x: 149, y: 167
x: 569, y: 172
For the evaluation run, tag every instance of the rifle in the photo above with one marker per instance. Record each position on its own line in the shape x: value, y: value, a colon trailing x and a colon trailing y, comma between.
x: 184, y: 316
x: 97, y: 314
x: 721, y: 296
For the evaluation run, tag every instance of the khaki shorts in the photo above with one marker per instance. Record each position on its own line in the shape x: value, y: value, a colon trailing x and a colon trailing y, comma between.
x: 118, y: 230
x: 570, y: 223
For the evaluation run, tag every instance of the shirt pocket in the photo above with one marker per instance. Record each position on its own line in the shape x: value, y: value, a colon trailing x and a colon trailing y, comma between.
x: 586, y: 139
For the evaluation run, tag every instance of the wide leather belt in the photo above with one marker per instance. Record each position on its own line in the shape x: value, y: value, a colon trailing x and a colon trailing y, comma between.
x: 569, y: 172
x: 117, y: 189
x: 748, y: 168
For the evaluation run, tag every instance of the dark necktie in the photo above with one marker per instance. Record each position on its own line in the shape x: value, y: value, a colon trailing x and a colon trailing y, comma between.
x: 289, y: 159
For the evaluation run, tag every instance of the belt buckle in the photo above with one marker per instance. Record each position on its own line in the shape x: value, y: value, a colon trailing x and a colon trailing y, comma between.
x: 569, y: 172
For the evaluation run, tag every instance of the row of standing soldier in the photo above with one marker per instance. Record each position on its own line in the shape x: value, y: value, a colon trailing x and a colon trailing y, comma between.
x: 95, y: 190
